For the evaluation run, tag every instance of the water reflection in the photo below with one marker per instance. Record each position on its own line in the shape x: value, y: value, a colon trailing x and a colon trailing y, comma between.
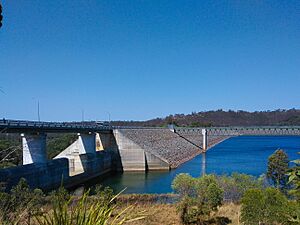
x: 203, y: 163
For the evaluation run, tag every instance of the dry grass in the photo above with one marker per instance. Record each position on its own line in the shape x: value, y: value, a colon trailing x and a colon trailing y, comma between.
x: 156, y: 214
x: 166, y: 214
x: 230, y: 210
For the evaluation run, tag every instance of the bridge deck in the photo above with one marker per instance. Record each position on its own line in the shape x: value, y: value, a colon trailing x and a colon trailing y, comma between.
x: 18, y: 126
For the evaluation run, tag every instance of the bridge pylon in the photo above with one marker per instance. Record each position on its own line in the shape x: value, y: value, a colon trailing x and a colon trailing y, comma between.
x: 34, y: 148
x: 87, y: 143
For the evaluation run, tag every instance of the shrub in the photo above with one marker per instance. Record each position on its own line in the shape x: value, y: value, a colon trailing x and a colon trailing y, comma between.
x: 267, y: 206
x: 184, y: 185
x: 21, y: 202
x: 294, y: 179
x: 199, y: 197
x: 234, y: 186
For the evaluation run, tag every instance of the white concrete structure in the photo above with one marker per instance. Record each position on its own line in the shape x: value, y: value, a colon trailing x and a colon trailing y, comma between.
x: 204, y: 133
x: 135, y: 157
x: 34, y: 148
x: 86, y: 143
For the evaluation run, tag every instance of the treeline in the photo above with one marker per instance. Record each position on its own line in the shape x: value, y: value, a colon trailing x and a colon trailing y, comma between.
x: 272, y: 199
x: 223, y: 118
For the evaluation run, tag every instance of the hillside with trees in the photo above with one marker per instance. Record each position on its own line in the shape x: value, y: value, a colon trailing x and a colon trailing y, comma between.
x: 220, y: 117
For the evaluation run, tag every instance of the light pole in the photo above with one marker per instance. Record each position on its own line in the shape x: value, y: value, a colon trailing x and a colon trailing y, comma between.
x: 82, y: 115
x: 108, y: 116
x: 38, y: 108
x: 38, y: 111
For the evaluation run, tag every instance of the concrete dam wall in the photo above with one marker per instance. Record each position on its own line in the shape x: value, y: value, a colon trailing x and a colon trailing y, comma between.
x: 94, y: 155
x: 53, y: 173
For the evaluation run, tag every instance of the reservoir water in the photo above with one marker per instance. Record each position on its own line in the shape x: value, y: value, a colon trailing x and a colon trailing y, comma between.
x: 243, y: 154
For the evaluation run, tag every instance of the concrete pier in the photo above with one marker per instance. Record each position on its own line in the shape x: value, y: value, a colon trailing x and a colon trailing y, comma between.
x: 34, y: 148
x: 87, y: 143
x: 204, y: 133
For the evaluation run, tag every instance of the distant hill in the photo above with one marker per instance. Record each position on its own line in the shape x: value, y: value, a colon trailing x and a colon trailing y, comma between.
x: 223, y: 118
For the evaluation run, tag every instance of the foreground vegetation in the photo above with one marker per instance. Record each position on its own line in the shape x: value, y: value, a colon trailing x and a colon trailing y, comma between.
x: 236, y: 199
x: 23, y: 206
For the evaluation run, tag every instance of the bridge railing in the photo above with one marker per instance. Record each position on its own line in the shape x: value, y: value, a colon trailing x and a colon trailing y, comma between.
x: 62, y: 125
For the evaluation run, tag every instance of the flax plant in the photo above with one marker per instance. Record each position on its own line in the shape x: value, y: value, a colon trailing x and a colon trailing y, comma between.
x: 84, y: 212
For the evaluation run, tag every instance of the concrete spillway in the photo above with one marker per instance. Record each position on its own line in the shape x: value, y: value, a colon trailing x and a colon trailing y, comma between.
x: 164, y: 146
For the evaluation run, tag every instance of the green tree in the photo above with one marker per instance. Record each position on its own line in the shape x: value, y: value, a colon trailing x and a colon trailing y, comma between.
x: 278, y: 165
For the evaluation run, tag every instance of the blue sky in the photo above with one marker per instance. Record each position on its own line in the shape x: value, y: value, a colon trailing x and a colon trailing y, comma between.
x: 143, y: 59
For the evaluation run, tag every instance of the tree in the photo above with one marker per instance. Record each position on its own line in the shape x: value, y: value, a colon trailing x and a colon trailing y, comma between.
x: 278, y: 165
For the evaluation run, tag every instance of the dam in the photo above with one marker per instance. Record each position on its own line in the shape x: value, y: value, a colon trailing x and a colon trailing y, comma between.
x: 101, y: 149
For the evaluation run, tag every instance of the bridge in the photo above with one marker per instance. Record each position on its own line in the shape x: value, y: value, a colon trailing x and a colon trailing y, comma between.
x: 16, y: 126
x: 101, y: 148
x: 236, y: 131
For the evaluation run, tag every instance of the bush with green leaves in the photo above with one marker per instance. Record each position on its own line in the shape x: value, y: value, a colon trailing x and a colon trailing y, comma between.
x: 21, y: 202
x: 199, y: 197
x: 234, y: 186
x: 184, y: 185
x: 294, y: 179
x: 268, y: 206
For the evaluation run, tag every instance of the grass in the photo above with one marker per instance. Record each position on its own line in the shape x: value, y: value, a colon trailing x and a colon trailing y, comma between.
x: 230, y: 210
x: 157, y: 213
x: 87, y: 211
x: 134, y: 209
